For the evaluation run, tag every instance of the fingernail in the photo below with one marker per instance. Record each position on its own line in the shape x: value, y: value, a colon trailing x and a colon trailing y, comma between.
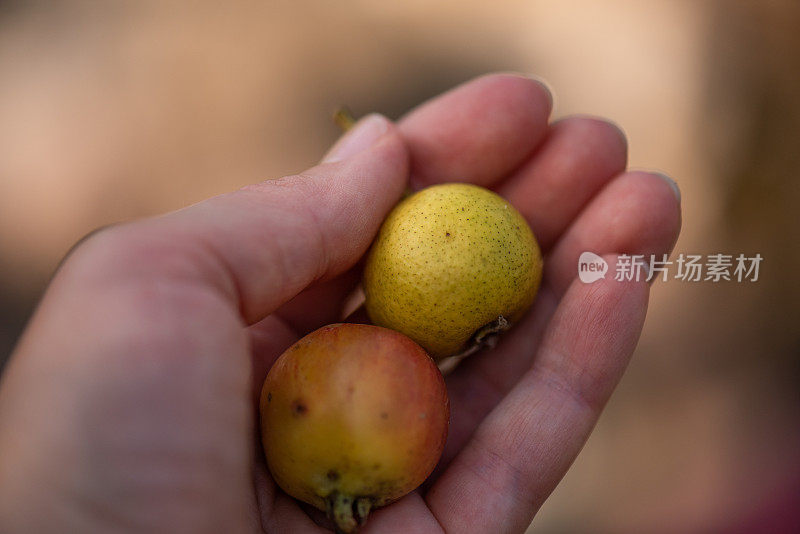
x: 538, y: 79
x: 362, y: 136
x: 545, y: 84
x: 671, y: 183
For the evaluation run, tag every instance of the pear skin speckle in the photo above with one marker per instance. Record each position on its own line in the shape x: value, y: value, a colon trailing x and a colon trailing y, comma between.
x: 448, y: 260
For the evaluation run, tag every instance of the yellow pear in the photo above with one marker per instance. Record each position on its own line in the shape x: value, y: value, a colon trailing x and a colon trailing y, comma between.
x: 452, y: 264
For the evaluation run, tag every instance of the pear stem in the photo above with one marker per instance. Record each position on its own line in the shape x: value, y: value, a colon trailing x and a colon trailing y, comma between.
x: 346, y: 512
x: 485, y: 337
x: 343, y: 118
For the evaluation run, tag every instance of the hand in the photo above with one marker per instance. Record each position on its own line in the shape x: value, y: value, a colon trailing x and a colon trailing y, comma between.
x: 130, y: 402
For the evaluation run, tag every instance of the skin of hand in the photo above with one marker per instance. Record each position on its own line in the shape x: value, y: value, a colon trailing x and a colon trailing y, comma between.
x: 129, y: 404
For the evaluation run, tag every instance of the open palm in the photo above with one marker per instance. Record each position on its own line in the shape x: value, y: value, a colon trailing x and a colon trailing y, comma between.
x: 129, y: 404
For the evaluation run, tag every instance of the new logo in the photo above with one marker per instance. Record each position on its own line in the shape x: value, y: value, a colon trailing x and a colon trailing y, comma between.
x: 591, y: 267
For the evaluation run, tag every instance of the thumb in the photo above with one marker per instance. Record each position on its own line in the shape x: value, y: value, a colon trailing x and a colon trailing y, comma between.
x: 266, y: 242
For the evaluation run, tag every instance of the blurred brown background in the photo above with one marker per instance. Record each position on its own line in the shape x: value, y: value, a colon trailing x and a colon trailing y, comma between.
x: 115, y: 110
